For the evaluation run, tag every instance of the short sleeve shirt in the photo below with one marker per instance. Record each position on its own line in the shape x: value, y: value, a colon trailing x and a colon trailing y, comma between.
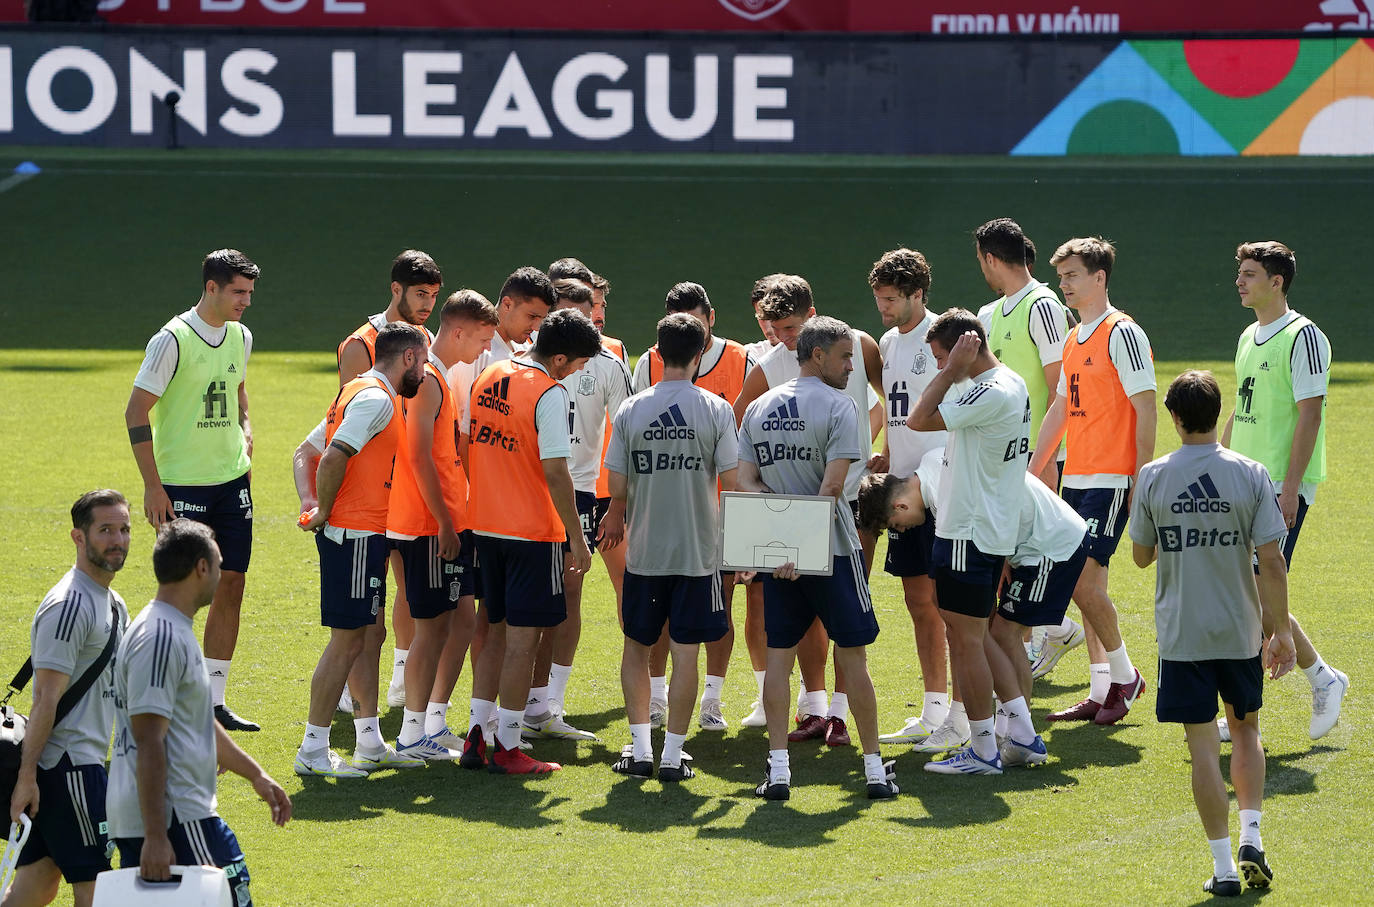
x: 792, y: 432
x: 596, y: 392
x: 985, y: 455
x: 1206, y: 509
x: 671, y: 442
x: 908, y: 367
x: 161, y: 354
x: 161, y: 671
x: 70, y: 630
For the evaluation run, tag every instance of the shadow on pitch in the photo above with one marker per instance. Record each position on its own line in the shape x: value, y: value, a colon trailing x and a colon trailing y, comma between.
x: 438, y: 789
x: 648, y: 805
x: 56, y: 367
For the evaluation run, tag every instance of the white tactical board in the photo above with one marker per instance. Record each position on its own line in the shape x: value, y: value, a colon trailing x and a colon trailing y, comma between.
x: 764, y: 531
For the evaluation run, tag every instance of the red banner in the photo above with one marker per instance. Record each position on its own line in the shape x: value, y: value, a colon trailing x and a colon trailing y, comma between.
x: 908, y: 16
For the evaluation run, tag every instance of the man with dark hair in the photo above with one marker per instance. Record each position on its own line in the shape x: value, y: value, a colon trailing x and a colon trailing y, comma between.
x: 980, y: 498
x: 162, y: 803
x: 1105, y: 407
x: 808, y: 451
x: 900, y: 283
x: 188, y: 424
x: 522, y: 507
x: 596, y: 391
x: 61, y: 780
x: 1283, y: 366
x: 571, y: 269
x: 758, y: 348
x: 721, y: 371
x: 415, y: 284
x: 426, y: 522
x: 787, y: 306
x: 669, y: 444
x: 1220, y: 623
x: 343, y: 473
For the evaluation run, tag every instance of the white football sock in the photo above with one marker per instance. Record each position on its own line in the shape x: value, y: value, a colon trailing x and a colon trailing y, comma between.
x: 815, y: 703
x: 368, y: 735
x: 999, y: 721
x: 218, y: 669
x: 479, y: 713
x: 1223, y: 864
x: 398, y: 667
x: 436, y: 718
x: 1119, y: 663
x: 1250, y: 828
x: 934, y: 708
x: 315, y: 739
x: 714, y: 683
x: 658, y: 688
x: 873, y: 768
x: 779, y: 769
x: 535, y: 704
x: 558, y: 681
x: 1099, y: 679
x: 642, y: 743
x: 984, y: 738
x: 1019, y: 726
x: 508, y: 723
x: 839, y: 706
x: 758, y: 679
x: 958, y: 717
x: 1314, y: 672
x: 412, y: 728
x: 672, y: 749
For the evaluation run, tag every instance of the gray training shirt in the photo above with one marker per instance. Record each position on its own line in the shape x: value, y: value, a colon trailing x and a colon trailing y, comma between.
x: 1207, y: 508
x: 69, y: 632
x: 161, y: 672
x: 670, y: 442
x: 791, y: 432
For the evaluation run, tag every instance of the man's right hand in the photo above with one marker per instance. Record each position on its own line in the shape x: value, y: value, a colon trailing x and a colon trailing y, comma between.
x: 157, y: 507
x: 25, y: 797
x: 449, y: 544
x: 786, y: 571
x: 155, y: 861
x: 581, y: 555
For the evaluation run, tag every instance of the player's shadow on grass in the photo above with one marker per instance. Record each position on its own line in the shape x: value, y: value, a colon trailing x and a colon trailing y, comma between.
x: 439, y: 789
x: 1282, y: 777
x: 51, y: 367
x: 1075, y: 746
x: 783, y: 825
x: 1247, y: 895
x: 648, y: 805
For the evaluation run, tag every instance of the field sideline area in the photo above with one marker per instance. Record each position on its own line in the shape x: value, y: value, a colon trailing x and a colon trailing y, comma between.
x: 103, y: 247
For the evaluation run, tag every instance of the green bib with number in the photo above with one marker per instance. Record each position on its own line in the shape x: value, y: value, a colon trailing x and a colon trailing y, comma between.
x: 1266, y: 415
x: 197, y: 439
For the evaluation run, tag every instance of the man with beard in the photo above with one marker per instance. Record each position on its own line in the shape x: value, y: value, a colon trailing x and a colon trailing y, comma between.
x: 62, y: 779
x: 188, y: 426
x: 799, y: 439
x: 345, y: 503
x: 415, y: 284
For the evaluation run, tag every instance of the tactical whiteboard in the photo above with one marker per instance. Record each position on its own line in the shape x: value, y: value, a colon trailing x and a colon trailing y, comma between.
x: 764, y: 531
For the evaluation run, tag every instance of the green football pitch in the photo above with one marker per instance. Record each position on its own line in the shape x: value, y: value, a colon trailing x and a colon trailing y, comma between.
x: 102, y: 247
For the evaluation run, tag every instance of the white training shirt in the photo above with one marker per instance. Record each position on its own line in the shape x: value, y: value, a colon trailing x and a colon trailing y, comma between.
x: 161, y: 354
x: 908, y: 367
x: 780, y: 365
x: 1049, y: 528
x: 596, y: 391
x: 983, y: 483
x: 1130, y: 353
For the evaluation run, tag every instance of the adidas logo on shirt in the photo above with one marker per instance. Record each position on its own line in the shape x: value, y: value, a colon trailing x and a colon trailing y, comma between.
x: 1201, y: 497
x: 1264, y: 366
x: 670, y: 425
x: 232, y: 370
x: 784, y: 418
x: 1088, y: 361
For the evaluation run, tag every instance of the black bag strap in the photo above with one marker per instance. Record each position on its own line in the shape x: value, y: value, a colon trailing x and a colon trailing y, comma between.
x: 74, y: 692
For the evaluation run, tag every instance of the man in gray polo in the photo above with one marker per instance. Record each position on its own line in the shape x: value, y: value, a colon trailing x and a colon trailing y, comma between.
x: 161, y: 800
x: 1202, y: 511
